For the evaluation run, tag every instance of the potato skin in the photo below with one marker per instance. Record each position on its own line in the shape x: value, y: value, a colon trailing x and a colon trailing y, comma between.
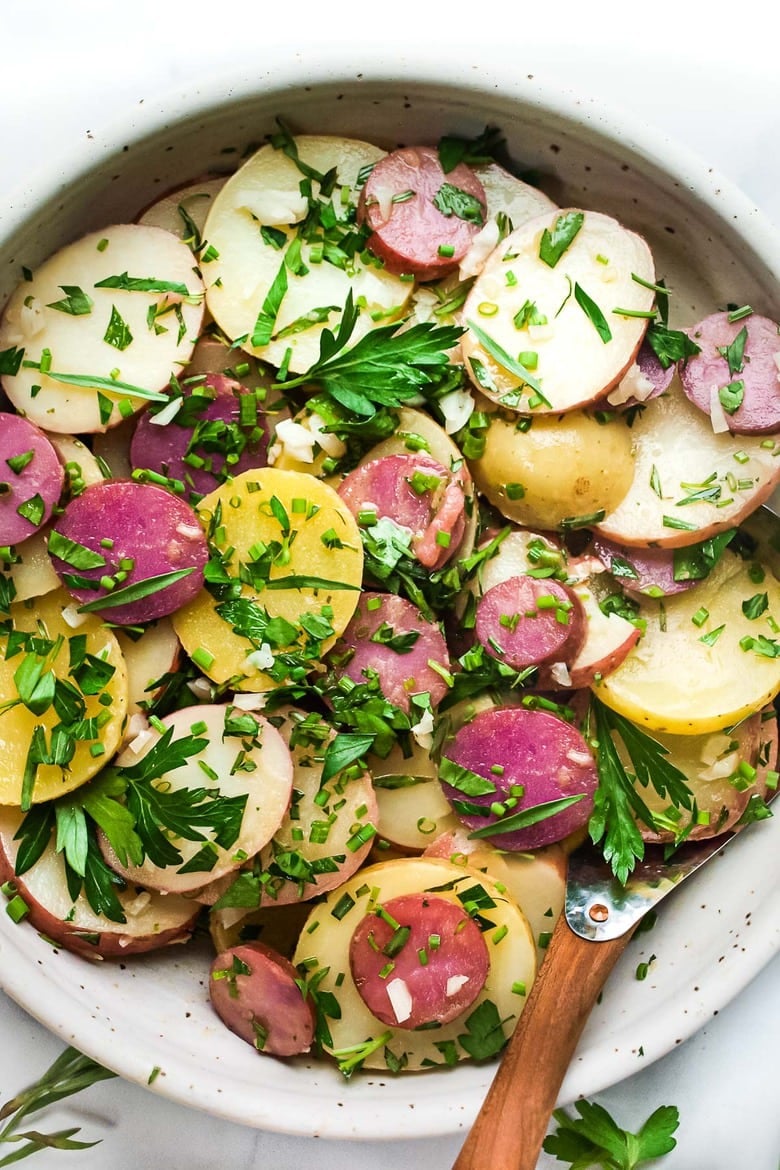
x: 567, y: 465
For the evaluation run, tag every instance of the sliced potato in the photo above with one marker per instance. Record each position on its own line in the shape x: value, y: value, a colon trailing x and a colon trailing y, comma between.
x: 512, y: 197
x: 308, y: 512
x: 691, y: 677
x: 30, y: 568
x: 148, y: 658
x: 567, y: 468
x: 252, y: 226
x: 563, y: 318
x: 128, y: 333
x: 323, y: 950
x: 151, y: 920
x: 194, y: 200
x: 18, y: 723
x: 689, y: 482
x: 413, y: 810
x: 232, y: 763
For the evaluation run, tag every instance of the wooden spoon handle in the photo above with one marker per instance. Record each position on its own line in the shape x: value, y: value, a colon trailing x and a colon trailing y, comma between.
x: 511, y: 1125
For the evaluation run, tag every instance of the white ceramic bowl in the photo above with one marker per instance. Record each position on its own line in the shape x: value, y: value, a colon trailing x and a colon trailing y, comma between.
x: 713, y: 247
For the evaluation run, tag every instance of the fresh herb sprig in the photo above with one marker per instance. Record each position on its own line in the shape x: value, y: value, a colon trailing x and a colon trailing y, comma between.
x: 384, y: 368
x: 70, y: 1073
x: 618, y: 805
x: 595, y: 1139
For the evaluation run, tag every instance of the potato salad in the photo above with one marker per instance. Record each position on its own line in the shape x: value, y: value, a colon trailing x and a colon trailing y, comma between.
x: 373, y: 531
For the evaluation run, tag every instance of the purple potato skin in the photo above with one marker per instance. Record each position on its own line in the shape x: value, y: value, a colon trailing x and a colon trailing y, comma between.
x: 163, y: 449
x: 534, y: 749
x: 148, y: 525
x: 538, y: 635
x: 38, y: 484
x: 400, y: 674
x: 759, y: 412
x: 654, y: 568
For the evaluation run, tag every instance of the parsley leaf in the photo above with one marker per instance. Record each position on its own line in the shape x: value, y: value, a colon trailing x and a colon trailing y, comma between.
x: 76, y: 302
x: 554, y: 243
x: 670, y: 345
x: 595, y: 1139
x: 451, y: 200
x: 484, y: 1037
x: 475, y: 151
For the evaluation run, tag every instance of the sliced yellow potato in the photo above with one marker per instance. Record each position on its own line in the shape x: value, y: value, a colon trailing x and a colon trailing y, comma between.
x: 323, y: 949
x: 690, y: 677
x: 118, y: 308
x: 252, y: 226
x: 52, y: 618
x: 689, y: 482
x: 30, y: 568
x: 572, y: 314
x: 315, y: 574
x: 561, y: 469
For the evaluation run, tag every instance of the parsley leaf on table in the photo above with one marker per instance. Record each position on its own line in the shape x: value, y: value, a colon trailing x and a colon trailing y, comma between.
x: 595, y: 1139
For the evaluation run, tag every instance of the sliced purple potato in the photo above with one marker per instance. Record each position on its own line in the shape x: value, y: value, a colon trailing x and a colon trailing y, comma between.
x: 414, y: 993
x: 103, y: 324
x: 689, y: 483
x: 526, y: 758
x: 573, y: 293
x: 646, y: 379
x: 638, y: 570
x: 389, y: 636
x: 217, y: 432
x: 256, y: 993
x: 152, y: 920
x: 735, y: 379
x: 122, y: 539
x: 31, y: 479
x: 525, y: 621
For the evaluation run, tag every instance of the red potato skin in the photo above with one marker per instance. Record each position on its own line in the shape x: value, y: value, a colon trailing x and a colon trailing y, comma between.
x: 535, y: 636
x: 114, y: 942
x: 384, y: 483
x: 541, y: 752
x: 264, y: 997
x: 158, y: 531
x: 462, y: 951
x: 163, y: 448
x: 759, y: 412
x: 408, y: 235
x: 400, y: 674
x: 42, y: 477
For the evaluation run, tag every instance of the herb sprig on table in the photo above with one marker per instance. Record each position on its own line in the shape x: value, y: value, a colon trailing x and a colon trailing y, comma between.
x: 70, y: 1073
x: 595, y: 1139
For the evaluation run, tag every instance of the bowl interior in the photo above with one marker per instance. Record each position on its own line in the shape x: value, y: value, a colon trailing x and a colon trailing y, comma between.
x: 153, y: 1012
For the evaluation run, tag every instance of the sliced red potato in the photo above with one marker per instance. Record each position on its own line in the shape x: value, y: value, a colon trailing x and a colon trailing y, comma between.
x: 562, y: 472
x: 113, y: 449
x: 178, y: 211
x: 151, y: 920
x: 644, y: 570
x: 243, y: 756
x: 256, y: 993
x: 252, y: 226
x: 118, y: 311
x: 708, y: 657
x: 609, y: 638
x: 31, y: 479
x: 510, y: 196
x: 54, y: 618
x: 324, y: 836
x: 720, y: 768
x: 409, y: 991
x: 735, y: 378
x: 689, y: 483
x: 572, y: 291
x: 421, y: 220
x: 325, y: 945
x: 536, y: 881
x: 526, y: 621
x: 324, y: 569
x: 119, y: 536
x: 510, y: 760
x: 148, y: 658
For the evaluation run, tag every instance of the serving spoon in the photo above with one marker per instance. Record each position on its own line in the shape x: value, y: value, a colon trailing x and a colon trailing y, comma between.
x: 600, y: 916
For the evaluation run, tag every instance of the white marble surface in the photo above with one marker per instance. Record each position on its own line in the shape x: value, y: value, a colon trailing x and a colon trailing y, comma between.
x: 711, y: 81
